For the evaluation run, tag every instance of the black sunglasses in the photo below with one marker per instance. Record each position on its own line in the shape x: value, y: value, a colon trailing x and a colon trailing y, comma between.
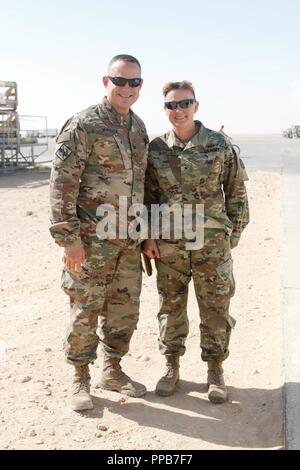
x: 182, y: 104
x: 121, y: 81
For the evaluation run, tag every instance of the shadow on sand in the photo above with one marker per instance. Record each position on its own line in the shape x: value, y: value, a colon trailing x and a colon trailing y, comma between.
x: 245, y: 421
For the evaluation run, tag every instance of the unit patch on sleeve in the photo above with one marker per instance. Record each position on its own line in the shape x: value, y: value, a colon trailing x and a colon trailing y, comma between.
x: 63, y: 152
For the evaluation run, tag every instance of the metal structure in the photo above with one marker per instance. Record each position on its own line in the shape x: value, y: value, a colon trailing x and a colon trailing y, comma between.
x: 292, y: 132
x: 18, y: 146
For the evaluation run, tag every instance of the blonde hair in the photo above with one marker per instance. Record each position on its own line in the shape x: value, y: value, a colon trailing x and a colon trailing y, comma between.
x: 183, y: 85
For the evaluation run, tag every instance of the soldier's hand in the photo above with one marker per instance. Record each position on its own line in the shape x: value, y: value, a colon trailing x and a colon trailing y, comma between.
x: 150, y: 249
x: 74, y: 257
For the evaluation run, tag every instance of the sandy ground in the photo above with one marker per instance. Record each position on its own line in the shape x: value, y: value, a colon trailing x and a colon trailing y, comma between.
x: 35, y: 380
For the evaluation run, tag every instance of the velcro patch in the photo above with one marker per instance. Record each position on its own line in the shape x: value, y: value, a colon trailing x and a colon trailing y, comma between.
x: 63, y: 152
x: 64, y: 137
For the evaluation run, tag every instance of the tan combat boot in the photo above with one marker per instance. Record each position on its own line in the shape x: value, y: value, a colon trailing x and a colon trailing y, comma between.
x: 81, y: 399
x: 167, y: 383
x: 114, y: 379
x: 217, y: 390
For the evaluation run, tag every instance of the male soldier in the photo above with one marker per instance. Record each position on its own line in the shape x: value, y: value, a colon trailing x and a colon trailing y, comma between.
x: 194, y: 165
x: 101, y: 154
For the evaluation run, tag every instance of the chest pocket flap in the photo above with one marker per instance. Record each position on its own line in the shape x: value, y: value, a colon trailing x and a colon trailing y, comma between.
x: 125, y: 157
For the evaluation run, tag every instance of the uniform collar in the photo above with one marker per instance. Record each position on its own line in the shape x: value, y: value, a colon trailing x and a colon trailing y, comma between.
x: 199, y: 139
x: 113, y: 116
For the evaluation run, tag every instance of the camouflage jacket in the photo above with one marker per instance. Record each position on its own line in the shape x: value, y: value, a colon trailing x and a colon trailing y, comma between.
x: 205, y: 170
x: 100, y: 155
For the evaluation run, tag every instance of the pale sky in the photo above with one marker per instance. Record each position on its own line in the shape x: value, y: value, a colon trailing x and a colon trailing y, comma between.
x: 242, y: 57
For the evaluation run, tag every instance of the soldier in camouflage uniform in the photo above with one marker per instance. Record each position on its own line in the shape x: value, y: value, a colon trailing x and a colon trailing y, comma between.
x: 192, y: 165
x: 101, y: 154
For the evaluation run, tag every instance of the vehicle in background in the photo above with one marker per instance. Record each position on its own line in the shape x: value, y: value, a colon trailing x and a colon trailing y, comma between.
x: 292, y: 132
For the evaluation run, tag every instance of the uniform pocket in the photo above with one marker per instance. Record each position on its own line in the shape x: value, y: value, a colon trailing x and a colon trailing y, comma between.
x: 225, y: 272
x: 75, y: 285
x: 127, y: 162
x: 65, y: 136
x: 108, y: 155
x: 214, y: 171
x: 205, y: 170
x: 64, y: 149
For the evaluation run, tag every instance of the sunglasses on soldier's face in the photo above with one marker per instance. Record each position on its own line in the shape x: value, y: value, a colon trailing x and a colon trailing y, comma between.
x: 121, y: 81
x: 182, y: 104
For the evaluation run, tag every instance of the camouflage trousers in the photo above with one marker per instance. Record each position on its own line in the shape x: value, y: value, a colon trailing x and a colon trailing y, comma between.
x: 108, y: 288
x: 211, y: 270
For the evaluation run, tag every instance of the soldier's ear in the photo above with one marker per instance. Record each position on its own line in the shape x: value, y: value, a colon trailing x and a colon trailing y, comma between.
x: 105, y: 80
x: 196, y: 106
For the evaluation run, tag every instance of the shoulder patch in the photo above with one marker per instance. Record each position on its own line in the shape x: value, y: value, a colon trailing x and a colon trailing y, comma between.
x: 65, y: 136
x: 64, y: 127
x: 63, y: 152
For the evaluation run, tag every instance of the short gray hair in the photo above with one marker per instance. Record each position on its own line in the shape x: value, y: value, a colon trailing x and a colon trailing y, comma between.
x: 125, y: 58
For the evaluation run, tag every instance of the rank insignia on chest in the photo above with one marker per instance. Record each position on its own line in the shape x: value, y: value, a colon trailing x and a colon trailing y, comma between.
x: 63, y: 152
